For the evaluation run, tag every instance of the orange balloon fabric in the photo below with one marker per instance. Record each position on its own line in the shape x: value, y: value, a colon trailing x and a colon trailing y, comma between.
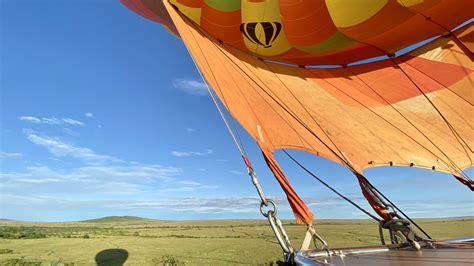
x: 316, y: 32
x: 412, y: 110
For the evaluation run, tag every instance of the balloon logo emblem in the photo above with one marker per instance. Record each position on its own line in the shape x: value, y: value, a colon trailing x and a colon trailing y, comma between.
x: 261, y: 33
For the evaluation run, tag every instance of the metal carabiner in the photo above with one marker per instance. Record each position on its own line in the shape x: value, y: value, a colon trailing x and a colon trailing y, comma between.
x: 278, y: 230
x: 262, y: 204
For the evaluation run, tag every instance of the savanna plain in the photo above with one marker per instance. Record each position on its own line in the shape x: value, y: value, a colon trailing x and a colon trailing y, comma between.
x: 139, y: 241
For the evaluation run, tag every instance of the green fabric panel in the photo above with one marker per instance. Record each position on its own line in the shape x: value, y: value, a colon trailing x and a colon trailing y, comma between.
x: 335, y: 42
x: 224, y: 5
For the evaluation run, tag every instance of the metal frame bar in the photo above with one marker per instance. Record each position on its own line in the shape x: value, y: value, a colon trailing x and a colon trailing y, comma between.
x: 319, y: 257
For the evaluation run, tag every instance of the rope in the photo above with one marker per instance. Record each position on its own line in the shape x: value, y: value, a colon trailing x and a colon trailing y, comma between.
x: 435, y: 80
x: 450, y: 163
x: 306, y: 110
x: 307, y: 128
x: 378, y: 115
x: 353, y: 203
x: 390, y: 56
x: 239, y: 145
x: 274, y: 221
x: 216, y: 103
x: 452, y: 129
x: 287, y: 110
x: 329, y: 187
x: 395, y: 207
x: 315, y: 135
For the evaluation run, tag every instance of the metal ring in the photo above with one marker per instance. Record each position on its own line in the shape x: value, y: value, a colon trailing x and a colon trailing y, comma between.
x: 274, y: 210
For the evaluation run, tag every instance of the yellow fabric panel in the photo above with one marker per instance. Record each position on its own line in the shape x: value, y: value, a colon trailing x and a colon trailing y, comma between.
x: 285, y: 101
x: 361, y: 116
x: 307, y: 32
x: 347, y: 13
x: 207, y: 57
x: 192, y: 13
x: 367, y: 115
x: 264, y: 11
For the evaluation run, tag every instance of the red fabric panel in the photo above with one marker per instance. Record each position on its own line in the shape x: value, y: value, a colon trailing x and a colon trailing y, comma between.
x: 466, y: 182
x: 159, y: 15
x: 379, y: 209
x: 373, y: 84
x: 300, y: 210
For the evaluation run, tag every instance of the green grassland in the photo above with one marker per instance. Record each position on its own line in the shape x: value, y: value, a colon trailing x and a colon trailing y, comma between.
x: 153, y: 242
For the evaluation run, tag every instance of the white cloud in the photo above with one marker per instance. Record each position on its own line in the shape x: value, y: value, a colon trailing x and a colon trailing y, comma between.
x: 100, y: 174
x: 68, y: 208
x: 33, y: 174
x: 104, y: 179
x: 236, y: 172
x: 12, y: 155
x: 186, y: 186
x: 135, y: 173
x: 38, y: 181
x: 30, y: 119
x: 189, y: 129
x: 89, y: 114
x: 190, y: 153
x: 193, y: 87
x: 189, y: 183
x: 199, y: 205
x: 61, y: 148
x: 70, y: 132
x: 73, y: 122
x: 230, y: 207
x: 52, y: 121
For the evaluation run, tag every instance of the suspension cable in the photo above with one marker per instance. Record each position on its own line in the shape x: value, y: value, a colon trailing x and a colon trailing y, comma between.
x: 344, y: 161
x: 395, y: 207
x: 449, y: 163
x: 271, y: 214
x: 456, y: 135
x: 352, y: 202
x: 329, y: 187
x: 284, y: 107
x: 216, y: 103
x: 251, y: 170
x: 390, y: 56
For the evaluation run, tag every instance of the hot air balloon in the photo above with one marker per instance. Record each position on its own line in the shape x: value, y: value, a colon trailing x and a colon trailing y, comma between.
x: 364, y: 83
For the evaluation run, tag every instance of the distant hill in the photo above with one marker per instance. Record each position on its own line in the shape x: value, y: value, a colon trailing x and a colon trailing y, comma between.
x: 112, y: 219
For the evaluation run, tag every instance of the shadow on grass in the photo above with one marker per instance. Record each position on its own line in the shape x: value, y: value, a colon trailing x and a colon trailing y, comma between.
x: 109, y: 257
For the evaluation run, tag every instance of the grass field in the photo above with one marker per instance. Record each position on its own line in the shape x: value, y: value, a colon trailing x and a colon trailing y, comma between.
x: 139, y: 241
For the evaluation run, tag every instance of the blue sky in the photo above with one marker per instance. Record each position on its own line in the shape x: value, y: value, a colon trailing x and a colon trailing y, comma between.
x: 103, y: 113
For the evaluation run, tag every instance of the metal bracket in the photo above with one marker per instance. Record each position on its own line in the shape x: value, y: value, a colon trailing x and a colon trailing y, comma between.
x: 400, y: 230
x: 311, y: 234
